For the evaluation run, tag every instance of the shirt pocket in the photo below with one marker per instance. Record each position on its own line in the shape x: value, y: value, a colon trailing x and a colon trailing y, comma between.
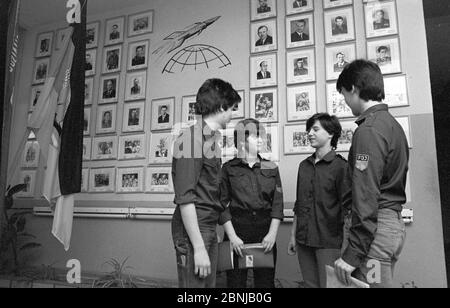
x: 211, y: 171
x: 303, y: 212
x: 268, y: 182
x: 239, y: 181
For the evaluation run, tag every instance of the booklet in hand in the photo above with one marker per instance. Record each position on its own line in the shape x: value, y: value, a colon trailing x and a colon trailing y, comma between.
x: 255, y: 257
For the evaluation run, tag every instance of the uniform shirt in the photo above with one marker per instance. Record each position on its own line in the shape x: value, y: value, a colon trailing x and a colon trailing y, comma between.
x: 319, y: 206
x: 378, y: 162
x: 252, y: 190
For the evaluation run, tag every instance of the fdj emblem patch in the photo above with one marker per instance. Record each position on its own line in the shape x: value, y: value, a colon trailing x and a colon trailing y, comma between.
x: 362, y: 162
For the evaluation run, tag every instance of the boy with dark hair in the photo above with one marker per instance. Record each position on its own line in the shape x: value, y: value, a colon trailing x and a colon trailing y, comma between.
x: 196, y: 171
x: 378, y: 162
x: 317, y: 231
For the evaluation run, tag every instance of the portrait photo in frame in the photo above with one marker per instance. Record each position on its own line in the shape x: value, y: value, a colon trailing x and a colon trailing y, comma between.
x: 35, y: 94
x: 109, y: 91
x: 301, y: 102
x: 271, y: 143
x: 104, y: 148
x: 161, y: 148
x: 335, y: 3
x: 264, y: 105
x: 138, y: 55
x: 87, y: 121
x: 44, y: 44
x: 336, y: 104
x: 132, y: 147
x: 112, y: 59
x: 188, y: 115
x: 380, y: 18
x: 92, y: 34
x: 84, y: 180
x: 301, y: 66
x: 27, y: 177
x: 91, y: 62
x: 296, y: 140
x: 299, y: 6
x: 263, y: 71
x: 337, y: 57
x: 106, y: 119
x: 130, y: 180
x: 163, y: 113
x: 159, y: 180
x: 31, y: 153
x: 114, y: 30
x: 339, y: 25
x: 385, y: 53
x: 140, y: 23
x: 263, y: 36
x: 135, y: 86
x: 41, y: 68
x: 396, y: 91
x: 87, y: 148
x: 261, y: 9
x: 300, y: 30
x: 88, y: 91
x: 348, y: 130
x: 102, y: 180
x: 61, y: 34
x: 239, y: 113
x: 133, y: 117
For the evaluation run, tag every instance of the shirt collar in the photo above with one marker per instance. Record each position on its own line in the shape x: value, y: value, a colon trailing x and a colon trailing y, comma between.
x: 239, y: 161
x: 327, y: 158
x: 371, y: 110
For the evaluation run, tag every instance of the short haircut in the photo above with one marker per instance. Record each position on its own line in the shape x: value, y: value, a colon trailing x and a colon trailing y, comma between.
x: 246, y: 128
x: 339, y: 17
x: 329, y: 123
x: 379, y: 11
x: 163, y: 106
x: 364, y: 75
x: 340, y: 53
x: 215, y: 94
x: 379, y: 49
x: 263, y: 27
x: 302, y: 21
x: 261, y: 64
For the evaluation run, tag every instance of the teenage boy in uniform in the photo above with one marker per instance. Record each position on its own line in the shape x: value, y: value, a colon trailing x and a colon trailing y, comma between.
x: 196, y: 171
x: 378, y: 164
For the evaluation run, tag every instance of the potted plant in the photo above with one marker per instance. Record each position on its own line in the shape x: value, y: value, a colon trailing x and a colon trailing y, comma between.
x: 117, y: 278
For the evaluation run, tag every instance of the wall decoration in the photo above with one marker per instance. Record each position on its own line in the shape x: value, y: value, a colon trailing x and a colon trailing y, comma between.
x: 104, y: 148
x: 161, y: 148
x: 114, y: 30
x: 84, y: 180
x: 88, y: 91
x: 336, y: 104
x: 87, y: 121
x: 299, y: 6
x: 299, y: 31
x: 385, y: 53
x: 163, y: 113
x: 109, y: 91
x: 339, y: 25
x: 135, y: 86
x: 44, y: 44
x: 101, y: 180
x: 381, y: 18
x: 159, y: 180
x: 41, y: 68
x: 271, y: 143
x: 138, y: 55
x: 335, y: 3
x: 396, y: 91
x: 130, y: 180
x: 264, y: 105
x: 35, y: 94
x: 348, y: 130
x: 263, y: 70
x: 133, y: 117
x: 301, y: 102
x: 301, y: 66
x: 337, y: 57
x: 27, y: 177
x: 140, y: 23
x: 87, y: 148
x: 112, y: 59
x: 30, y: 158
x: 405, y: 124
x: 132, y: 147
x: 239, y: 113
x: 296, y: 140
x: 60, y: 35
x: 188, y: 109
x: 92, y: 35
x: 263, y: 36
x: 261, y: 9
x: 91, y: 62
x: 106, y: 119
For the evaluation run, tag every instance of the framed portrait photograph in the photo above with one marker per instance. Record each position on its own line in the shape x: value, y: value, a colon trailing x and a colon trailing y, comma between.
x: 104, y: 148
x: 271, y: 144
x: 338, y: 57
x: 87, y: 148
x: 188, y: 115
x: 260, y: 9
x: 109, y: 91
x: 263, y: 71
x: 301, y: 102
x: 87, y: 121
x: 30, y: 158
x: 112, y: 57
x: 106, y: 119
x: 239, y: 113
x: 130, y: 180
x: 163, y: 113
x: 263, y: 36
x: 161, y: 148
x: 335, y: 3
x: 301, y: 66
x: 396, y: 91
x: 35, y: 94
x: 44, y: 44
x: 27, y: 177
x: 92, y: 34
x: 296, y: 140
x: 300, y: 30
x: 159, y: 180
x: 380, y: 18
x: 264, y: 105
x: 135, y: 86
x: 229, y: 150
x: 61, y: 34
x: 299, y: 6
x: 101, y: 180
x: 132, y: 147
x: 133, y: 117
x: 41, y: 67
x: 385, y: 53
x: 348, y: 130
x: 84, y: 180
x: 138, y: 55
x: 91, y: 61
x: 88, y: 91
x: 405, y: 124
x: 140, y: 23
x: 339, y: 25
x: 114, y: 30
x: 336, y: 104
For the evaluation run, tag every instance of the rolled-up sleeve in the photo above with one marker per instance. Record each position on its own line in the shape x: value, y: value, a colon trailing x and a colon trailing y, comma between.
x: 186, y: 173
x: 277, y: 203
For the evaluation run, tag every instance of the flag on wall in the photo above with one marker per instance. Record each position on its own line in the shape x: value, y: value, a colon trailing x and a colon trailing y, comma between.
x: 13, y: 46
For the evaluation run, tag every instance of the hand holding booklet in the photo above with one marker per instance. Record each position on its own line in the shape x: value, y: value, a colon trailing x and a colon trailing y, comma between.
x: 253, y: 257
x: 334, y: 283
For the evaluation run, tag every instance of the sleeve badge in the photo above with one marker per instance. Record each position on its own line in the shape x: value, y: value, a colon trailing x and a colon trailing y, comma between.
x: 362, y: 162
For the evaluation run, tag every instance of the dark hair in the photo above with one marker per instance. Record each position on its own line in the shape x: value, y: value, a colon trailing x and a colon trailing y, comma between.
x: 340, y: 53
x: 364, y: 75
x: 329, y: 123
x: 163, y: 106
x: 248, y: 127
x: 264, y: 26
x: 379, y: 49
x: 213, y: 95
x: 339, y: 17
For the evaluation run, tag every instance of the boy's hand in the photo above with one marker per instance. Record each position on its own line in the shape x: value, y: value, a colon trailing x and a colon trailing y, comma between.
x: 202, y: 263
x: 269, y: 241
x: 343, y: 271
x: 237, y: 244
x: 292, y: 250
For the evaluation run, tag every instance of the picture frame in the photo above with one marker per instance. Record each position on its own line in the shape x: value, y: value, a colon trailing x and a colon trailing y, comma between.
x: 84, y: 180
x: 136, y: 84
x: 44, y: 44
x: 102, y: 180
x: 130, y: 180
x: 112, y: 59
x: 92, y: 34
x: 188, y: 116
x: 87, y: 121
x: 240, y: 112
x: 261, y: 9
x: 35, y: 94
x: 336, y: 104
x: 161, y: 148
x: 264, y: 105
x: 27, y: 177
x: 345, y: 140
x: 91, y: 62
x: 263, y: 70
x: 87, y: 149
x: 300, y: 30
x: 88, y: 91
x: 60, y: 36
x: 109, y: 91
x: 301, y: 102
x: 301, y: 66
x: 31, y: 154
x: 140, y: 23
x: 271, y: 140
x: 335, y: 3
x: 41, y: 68
x: 114, y: 30
x: 229, y: 150
x: 132, y: 147
x: 299, y: 6
x: 159, y: 180
x: 263, y: 36
x: 396, y: 91
x: 380, y: 18
x: 339, y: 25
x: 337, y: 57
x: 104, y: 148
x: 385, y: 53
x: 163, y: 113
x: 138, y: 54
x: 106, y: 119
x: 296, y: 140
x: 406, y: 125
x: 133, y: 117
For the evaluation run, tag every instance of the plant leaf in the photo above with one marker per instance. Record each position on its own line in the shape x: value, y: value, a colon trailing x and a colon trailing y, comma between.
x: 20, y: 225
x: 28, y: 235
x: 15, y: 189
